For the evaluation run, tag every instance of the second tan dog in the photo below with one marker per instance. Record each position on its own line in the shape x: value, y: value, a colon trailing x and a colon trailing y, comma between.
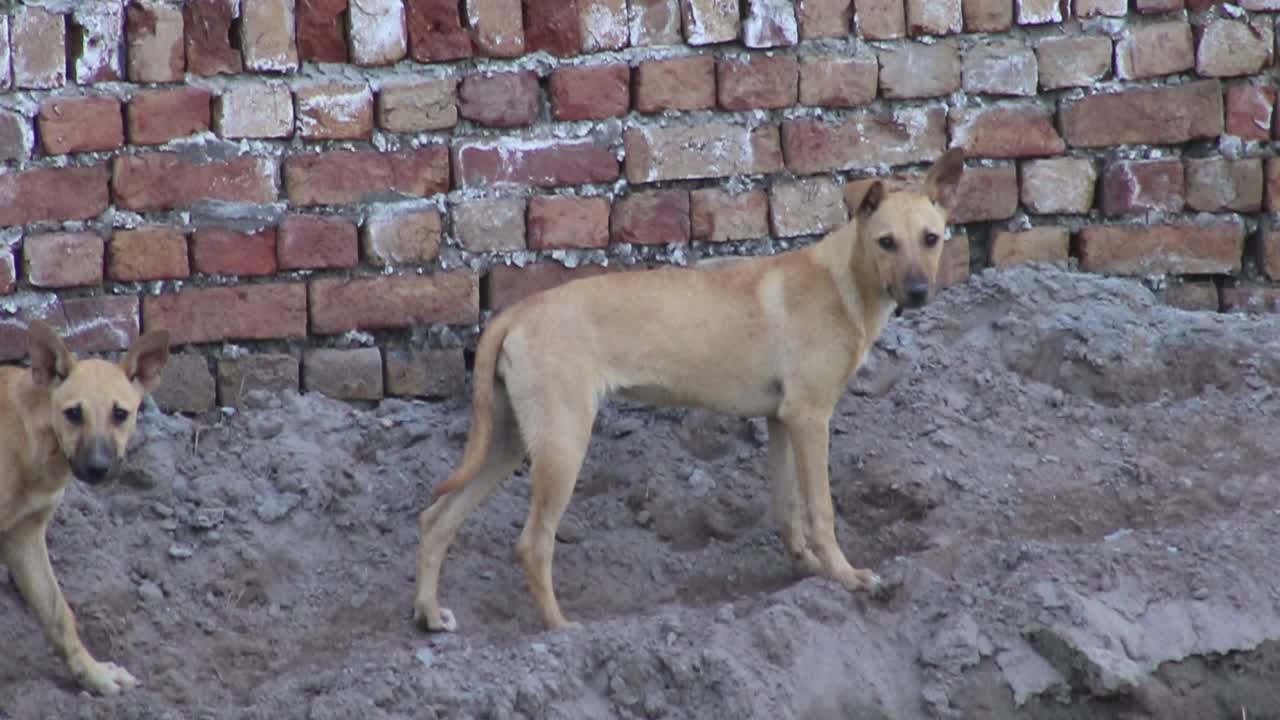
x: 776, y: 336
x: 60, y: 419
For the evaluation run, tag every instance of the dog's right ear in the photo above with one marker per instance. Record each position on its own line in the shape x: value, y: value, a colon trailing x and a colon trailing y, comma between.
x: 872, y: 199
x: 50, y: 359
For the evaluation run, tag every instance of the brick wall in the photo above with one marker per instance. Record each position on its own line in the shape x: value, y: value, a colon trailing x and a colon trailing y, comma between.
x: 332, y: 194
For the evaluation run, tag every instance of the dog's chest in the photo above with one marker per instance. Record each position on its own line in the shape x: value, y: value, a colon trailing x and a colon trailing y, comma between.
x: 22, y: 501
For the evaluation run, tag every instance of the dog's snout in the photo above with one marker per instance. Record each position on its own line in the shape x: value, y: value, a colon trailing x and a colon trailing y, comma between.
x: 916, y: 291
x: 94, y: 461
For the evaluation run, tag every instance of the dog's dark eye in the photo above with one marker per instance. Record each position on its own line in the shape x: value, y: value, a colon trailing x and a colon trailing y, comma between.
x: 930, y: 239
x: 886, y: 242
x: 119, y: 415
x: 73, y: 415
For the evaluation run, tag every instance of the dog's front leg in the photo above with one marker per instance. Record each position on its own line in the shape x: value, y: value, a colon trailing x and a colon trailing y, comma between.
x: 27, y: 556
x: 787, y: 503
x: 810, y: 442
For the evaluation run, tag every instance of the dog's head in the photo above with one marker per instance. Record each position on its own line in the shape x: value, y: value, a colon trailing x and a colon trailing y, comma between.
x: 94, y: 403
x: 903, y: 231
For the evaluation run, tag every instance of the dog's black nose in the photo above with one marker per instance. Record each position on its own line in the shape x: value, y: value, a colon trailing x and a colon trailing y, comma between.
x: 917, y: 294
x: 95, y: 473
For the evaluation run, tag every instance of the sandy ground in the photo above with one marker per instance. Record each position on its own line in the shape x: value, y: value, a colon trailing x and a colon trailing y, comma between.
x: 1070, y: 488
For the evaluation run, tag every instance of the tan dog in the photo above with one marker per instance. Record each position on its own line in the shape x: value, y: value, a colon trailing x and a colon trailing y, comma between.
x: 60, y: 419
x: 776, y: 336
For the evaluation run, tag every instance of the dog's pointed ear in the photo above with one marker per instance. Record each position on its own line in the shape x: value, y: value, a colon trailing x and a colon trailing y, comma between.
x: 872, y: 198
x: 50, y: 358
x: 944, y: 178
x: 145, y: 361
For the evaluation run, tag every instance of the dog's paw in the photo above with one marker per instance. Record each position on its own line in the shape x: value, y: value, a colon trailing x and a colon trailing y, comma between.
x: 109, y: 679
x: 446, y: 622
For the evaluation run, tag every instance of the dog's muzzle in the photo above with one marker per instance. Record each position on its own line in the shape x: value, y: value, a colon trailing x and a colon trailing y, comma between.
x: 94, y: 460
x: 915, y: 294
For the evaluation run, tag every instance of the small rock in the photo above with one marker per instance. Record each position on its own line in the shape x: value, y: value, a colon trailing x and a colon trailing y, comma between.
x: 625, y: 426
x: 644, y: 518
x: 180, y: 552
x: 700, y: 483
x: 1200, y: 593
x: 169, y: 525
x: 425, y: 656
x: 276, y: 506
x: 150, y: 592
x: 540, y: 648
x: 207, y: 518
x: 161, y: 510
x: 570, y: 531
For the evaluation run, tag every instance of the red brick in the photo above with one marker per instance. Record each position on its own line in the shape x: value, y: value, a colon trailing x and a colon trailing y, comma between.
x: 1000, y: 68
x: 8, y: 272
x: 1153, y: 50
x: 418, y: 106
x: 1216, y: 184
x: 809, y: 206
x: 986, y: 193
x: 80, y: 124
x: 1005, y: 131
x: 491, y: 225
x: 38, y: 47
x: 497, y: 29
x: 97, y: 32
x: 151, y: 252
x: 314, y: 242
x: 272, y: 373
x: 934, y: 17
x: 59, y: 260
x: 436, y: 32
x: 1178, y: 249
x: 155, y: 32
x: 165, y: 181
x: 1251, y: 299
x: 769, y: 23
x: 987, y: 15
x: 504, y: 100
x: 1140, y: 186
x: 1168, y: 116
x: 339, y: 305
x: 341, y: 177
x: 268, y: 38
x: 567, y: 222
x: 254, y: 110
x: 654, y: 22
x: 1073, y: 61
x: 103, y: 323
x: 208, y: 37
x: 399, y: 237
x: 678, y: 84
x: 590, y: 92
x: 1040, y: 244
x: 1190, y: 295
x: 53, y: 194
x: 16, y: 136
x: 216, y: 251
x: 425, y: 373
x: 376, y: 32
x: 334, y: 111
x: 824, y: 18
x: 158, y: 116
x: 319, y: 28
x: 712, y: 149
x: 953, y: 265
x: 1231, y: 48
x: 1271, y: 190
x: 186, y: 385
x: 901, y: 76
x: 657, y: 217
x: 717, y: 216
x: 1250, y: 109
x: 707, y: 22
x: 880, y: 19
x: 354, y: 374
x: 759, y: 82
x: 552, y: 26
x: 603, y: 24
x: 541, y: 163
x: 1058, y: 185
x: 839, y: 81
x: 1038, y: 12
x: 1269, y: 252
x: 218, y: 314
x: 507, y: 285
x: 865, y: 139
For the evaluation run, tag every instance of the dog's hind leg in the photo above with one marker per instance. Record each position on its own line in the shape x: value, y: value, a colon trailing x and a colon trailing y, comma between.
x: 787, y: 503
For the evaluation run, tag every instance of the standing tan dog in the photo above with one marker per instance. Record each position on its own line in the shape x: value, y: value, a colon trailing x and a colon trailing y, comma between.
x: 776, y: 336
x: 64, y: 418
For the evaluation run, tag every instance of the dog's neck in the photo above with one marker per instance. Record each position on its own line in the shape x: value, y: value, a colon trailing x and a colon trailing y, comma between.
x: 854, y: 276
x: 41, y: 447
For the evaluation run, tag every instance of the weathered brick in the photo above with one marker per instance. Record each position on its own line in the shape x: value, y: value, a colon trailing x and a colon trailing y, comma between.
x: 1260, y: 5
x: 1149, y: 7
x: 759, y: 82
x: 244, y: 312
x: 1161, y: 48
x: 6, y: 76
x: 425, y: 373
x: 158, y: 116
x: 340, y: 305
x: 155, y: 34
x: 1140, y: 186
x: 53, y: 194
x: 839, y: 80
x: 97, y: 30
x: 165, y: 181
x: 880, y: 19
x: 567, y: 222
x: 1058, y: 185
x: 1178, y: 249
x: 1078, y: 61
x: 1191, y: 296
x: 769, y: 23
x: 1271, y: 189
x: 270, y: 373
x: 354, y: 374
x: 1170, y: 115
x: 677, y: 84
x: 16, y: 136
x: 1250, y: 109
x: 507, y: 285
x: 900, y: 76
x: 399, y: 237
x: 341, y: 177
x: 1005, y: 131
x: 654, y: 22
x: 1216, y: 184
x: 254, y: 110
x: 1230, y: 48
x: 1000, y: 68
x: 319, y: 26
x: 497, y: 29
x: 590, y: 92
x: 80, y: 124
x: 377, y: 33
x: 313, y: 242
x: 865, y: 139
x: 709, y: 150
x: 1251, y: 299
x: 150, y: 252
x: 541, y: 163
x: 987, y: 15
x: 268, y: 35
x: 552, y: 26
x: 102, y: 323
x: 657, y: 217
x: 334, y: 111
x: 216, y: 251
x: 953, y: 265
x: 603, y: 24
x: 824, y: 18
x: 1038, y: 12
x: 504, y: 100
x: 436, y: 31
x: 490, y: 225
x: 186, y: 385
x: 810, y: 206
x: 207, y: 25
x: 1095, y: 8
x: 1269, y: 252
x: 718, y: 216
x: 934, y: 17
x: 986, y: 193
x: 8, y: 272
x: 707, y: 22
x: 1039, y: 244
x: 418, y: 105
x: 63, y: 259
x: 38, y: 48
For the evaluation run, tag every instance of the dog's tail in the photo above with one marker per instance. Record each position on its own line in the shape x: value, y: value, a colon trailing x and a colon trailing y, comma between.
x: 482, y: 376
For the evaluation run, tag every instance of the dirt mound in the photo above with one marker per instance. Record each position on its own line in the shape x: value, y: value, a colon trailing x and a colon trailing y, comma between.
x: 1070, y: 489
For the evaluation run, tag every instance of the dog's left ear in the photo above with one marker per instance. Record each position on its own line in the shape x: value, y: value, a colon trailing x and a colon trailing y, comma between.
x: 146, y: 359
x: 944, y: 177
x: 872, y: 199
x: 50, y: 358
